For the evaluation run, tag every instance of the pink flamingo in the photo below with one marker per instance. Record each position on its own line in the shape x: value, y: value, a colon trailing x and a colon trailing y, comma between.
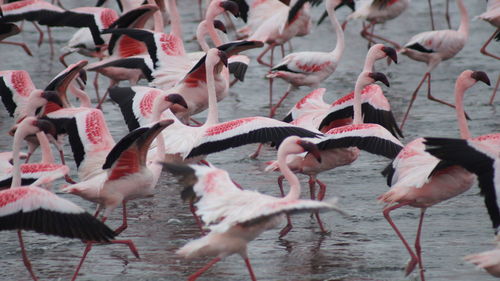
x: 309, y: 68
x: 236, y: 217
x: 492, y: 15
x: 417, y: 180
x: 432, y: 47
x: 34, y: 208
x: 10, y: 29
x: 340, y: 146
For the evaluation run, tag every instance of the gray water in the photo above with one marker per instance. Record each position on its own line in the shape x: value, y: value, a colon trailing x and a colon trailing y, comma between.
x: 359, y: 247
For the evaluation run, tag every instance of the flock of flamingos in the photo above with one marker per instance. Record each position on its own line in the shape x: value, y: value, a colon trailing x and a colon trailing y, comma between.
x: 314, y: 137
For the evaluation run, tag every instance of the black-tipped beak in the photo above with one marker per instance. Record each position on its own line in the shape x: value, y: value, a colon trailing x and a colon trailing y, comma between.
x: 46, y: 126
x: 391, y: 53
x: 223, y: 57
x: 348, y: 3
x: 83, y: 76
x: 220, y: 26
x: 164, y: 123
x: 177, y: 99
x: 231, y: 7
x: 52, y: 96
x: 481, y: 76
x: 379, y: 76
x: 311, y: 148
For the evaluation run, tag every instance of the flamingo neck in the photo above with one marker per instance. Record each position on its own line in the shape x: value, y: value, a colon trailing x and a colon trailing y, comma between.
x: 358, y: 118
x: 213, y: 113
x: 200, y: 35
x: 47, y: 156
x: 291, y: 178
x: 209, y: 25
x: 459, y: 109
x: 370, y: 60
x: 160, y: 147
x: 464, y: 19
x: 80, y: 94
x: 340, y: 46
x: 16, y: 148
x: 175, y: 20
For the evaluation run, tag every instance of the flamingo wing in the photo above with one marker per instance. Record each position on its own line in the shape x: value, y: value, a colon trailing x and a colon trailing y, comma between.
x: 312, y: 102
x: 244, y: 131
x: 15, y: 88
x: 448, y: 42
x: 304, y: 62
x: 33, y: 208
x: 31, y: 10
x: 477, y: 158
x: 372, y: 138
x: 238, y: 66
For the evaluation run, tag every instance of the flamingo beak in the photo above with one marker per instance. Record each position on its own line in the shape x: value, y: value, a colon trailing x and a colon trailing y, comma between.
x: 481, y: 76
x: 311, y: 148
x: 223, y: 57
x: 379, y: 76
x: 348, y: 3
x: 13, y: 130
x: 231, y: 7
x: 220, y: 26
x: 177, y: 99
x: 46, y: 126
x: 52, y: 96
x: 391, y: 53
x: 83, y: 76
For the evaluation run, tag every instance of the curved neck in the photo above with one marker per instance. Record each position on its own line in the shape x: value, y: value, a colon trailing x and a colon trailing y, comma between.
x: 358, y: 118
x: 370, y: 60
x: 80, y: 94
x: 291, y: 178
x: 340, y: 46
x: 209, y: 25
x: 464, y: 19
x: 16, y: 148
x: 158, y: 23
x: 459, y: 109
x: 47, y: 156
x: 175, y: 20
x: 213, y: 113
x: 200, y: 35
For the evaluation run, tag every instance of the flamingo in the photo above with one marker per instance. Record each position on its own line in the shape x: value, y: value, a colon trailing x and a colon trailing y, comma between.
x: 375, y: 12
x: 492, y: 15
x: 432, y: 47
x: 234, y: 216
x: 340, y: 146
x: 309, y: 68
x: 10, y: 29
x: 417, y: 180
x: 34, y: 208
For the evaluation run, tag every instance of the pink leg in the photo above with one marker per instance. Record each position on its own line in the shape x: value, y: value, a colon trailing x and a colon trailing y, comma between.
x: 61, y: 58
x: 257, y: 152
x: 196, y: 122
x: 432, y: 98
x: 282, y: 47
x: 61, y: 155
x: 69, y: 180
x: 483, y: 49
x: 275, y: 107
x: 84, y: 256
x: 26, y: 261
x: 22, y: 45
x: 364, y: 33
x: 192, y: 208
x: 495, y: 90
x: 322, y: 190
x: 373, y: 35
x: 271, y: 88
x: 259, y: 58
x: 203, y: 269
x: 289, y: 225
x: 432, y: 16
x: 250, y: 270
x: 414, y: 260
x: 124, y: 219
x: 233, y: 82
x: 413, y: 97
x: 418, y: 248
x: 312, y: 187
x: 51, y: 43
x: 101, y: 101
x: 237, y: 184
x: 96, y: 85
x: 40, y: 32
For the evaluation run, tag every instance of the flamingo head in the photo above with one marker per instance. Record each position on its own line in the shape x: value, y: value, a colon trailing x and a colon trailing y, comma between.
x: 481, y: 76
x: 231, y: 7
x: 390, y: 53
x: 220, y: 26
x: 379, y: 76
x: 178, y: 104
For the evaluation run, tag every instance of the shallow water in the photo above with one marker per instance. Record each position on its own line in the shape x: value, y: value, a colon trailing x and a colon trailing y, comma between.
x: 359, y: 247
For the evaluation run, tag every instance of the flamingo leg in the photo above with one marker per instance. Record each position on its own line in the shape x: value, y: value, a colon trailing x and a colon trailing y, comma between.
x: 364, y: 32
x: 322, y: 190
x: 192, y: 208
x: 418, y: 248
x: 96, y: 85
x: 432, y: 16
x: 22, y: 45
x: 61, y: 58
x: 124, y: 225
x: 495, y: 90
x: 282, y: 47
x: 483, y: 49
x: 51, y: 43
x: 26, y: 261
x: 196, y: 122
x: 290, y: 47
x: 250, y: 270
x: 277, y: 105
x: 414, y: 259
x: 432, y: 98
x: 447, y: 14
x: 84, y: 256
x: 40, y: 32
x: 257, y: 152
x: 413, y: 97
x: 271, y: 80
x: 101, y: 101
x: 259, y: 58
x: 203, y: 269
x: 289, y: 225
x: 312, y: 187
x: 373, y: 35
